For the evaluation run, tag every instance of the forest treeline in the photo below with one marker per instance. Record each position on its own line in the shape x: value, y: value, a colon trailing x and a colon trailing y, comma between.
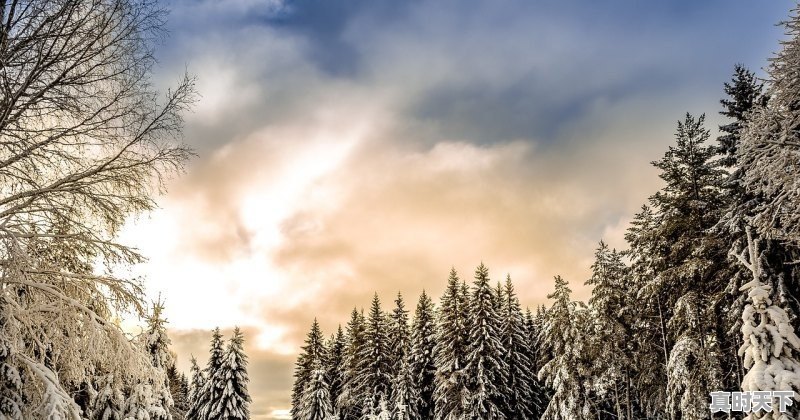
x: 704, y: 298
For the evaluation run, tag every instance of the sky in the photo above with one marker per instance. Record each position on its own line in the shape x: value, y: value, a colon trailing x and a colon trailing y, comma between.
x: 346, y: 148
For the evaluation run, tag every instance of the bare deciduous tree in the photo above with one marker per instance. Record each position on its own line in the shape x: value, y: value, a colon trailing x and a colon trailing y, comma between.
x: 85, y: 142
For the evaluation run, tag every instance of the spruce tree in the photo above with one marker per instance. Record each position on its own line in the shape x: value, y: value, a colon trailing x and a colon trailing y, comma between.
x: 109, y: 402
x: 12, y: 399
x: 335, y: 364
x: 312, y: 352
x: 744, y: 92
x: 561, y: 372
x: 185, y: 390
x: 316, y: 398
x: 213, y: 386
x: 693, y: 366
x: 196, y: 399
x: 405, y: 395
x: 234, y: 400
x: 674, y: 252
x: 180, y: 397
x: 537, y: 326
x: 499, y: 297
x: 157, y: 343
x: 520, y: 398
x: 610, y: 331
x: 399, y: 336
x: 532, y: 327
x: 142, y: 403
x: 422, y: 361
x: 450, y: 394
x: 381, y: 411
x: 745, y: 95
x: 352, y: 397
x: 531, y: 331
x: 485, y: 367
x: 685, y: 256
x: 648, y: 329
x: 374, y: 372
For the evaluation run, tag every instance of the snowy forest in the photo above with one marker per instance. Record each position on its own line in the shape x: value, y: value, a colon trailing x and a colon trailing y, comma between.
x: 704, y: 299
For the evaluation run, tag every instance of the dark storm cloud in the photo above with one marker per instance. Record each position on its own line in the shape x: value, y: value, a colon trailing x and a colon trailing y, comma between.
x: 523, y: 72
x: 476, y: 71
x: 326, y: 24
x: 566, y: 54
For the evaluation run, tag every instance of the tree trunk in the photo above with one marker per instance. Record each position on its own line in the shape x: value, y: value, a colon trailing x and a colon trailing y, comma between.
x: 663, y: 345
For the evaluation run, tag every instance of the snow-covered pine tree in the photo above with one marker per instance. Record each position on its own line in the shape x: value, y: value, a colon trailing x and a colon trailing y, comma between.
x: 185, y: 391
x: 610, y: 331
x: 422, y: 361
x: 316, y: 398
x: 405, y: 395
x: 399, y: 336
x: 648, y: 328
x: 673, y: 252
x: 334, y: 366
x: 536, y: 327
x: 156, y: 341
x: 374, y: 372
x: 313, y: 351
x: 771, y: 143
x: 693, y: 368
x: 485, y: 368
x: 450, y: 395
x: 563, y: 372
x: 381, y: 412
x: 234, y: 400
x: 137, y: 399
x: 196, y: 399
x: 109, y: 402
x: 519, y: 396
x: 213, y: 386
x: 178, y: 391
x: 744, y: 92
x: 539, y: 397
x: 693, y: 267
x: 155, y: 338
x: 148, y: 395
x: 768, y: 159
x: 142, y: 403
x: 499, y: 297
x: 12, y: 398
x: 352, y: 397
x: 771, y: 348
x: 685, y: 256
